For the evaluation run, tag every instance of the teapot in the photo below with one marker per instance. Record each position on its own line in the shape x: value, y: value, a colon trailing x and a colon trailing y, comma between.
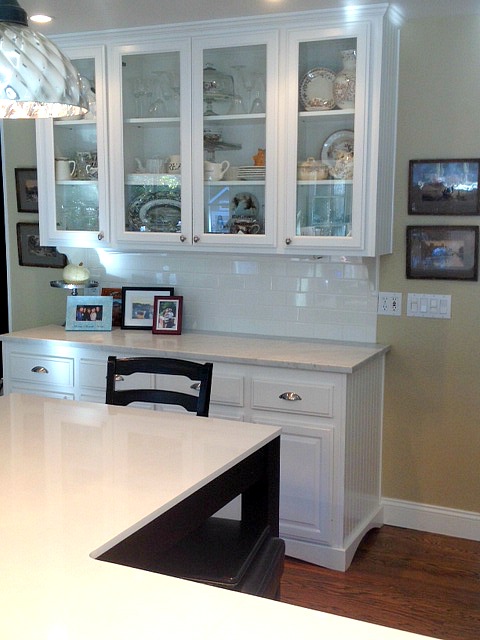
x: 215, y: 170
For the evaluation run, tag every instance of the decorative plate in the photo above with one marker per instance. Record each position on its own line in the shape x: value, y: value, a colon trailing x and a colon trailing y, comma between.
x: 244, y: 205
x: 316, y: 90
x: 338, y: 141
x: 156, y: 211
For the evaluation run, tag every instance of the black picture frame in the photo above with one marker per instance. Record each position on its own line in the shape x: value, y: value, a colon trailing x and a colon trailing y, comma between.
x: 26, y: 184
x: 444, y: 187
x: 442, y: 252
x: 138, y: 305
x: 31, y: 253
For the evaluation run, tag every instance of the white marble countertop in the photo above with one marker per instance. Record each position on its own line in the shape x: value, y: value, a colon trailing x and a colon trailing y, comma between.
x: 72, y: 479
x: 317, y: 355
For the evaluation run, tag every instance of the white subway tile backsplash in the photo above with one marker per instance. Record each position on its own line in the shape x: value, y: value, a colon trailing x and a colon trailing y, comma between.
x: 325, y: 298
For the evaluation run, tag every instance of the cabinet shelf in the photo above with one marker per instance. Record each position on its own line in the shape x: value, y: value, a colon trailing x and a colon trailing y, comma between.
x: 69, y: 122
x: 332, y: 113
x: 241, y: 118
x: 328, y: 183
x: 75, y: 183
x: 153, y: 122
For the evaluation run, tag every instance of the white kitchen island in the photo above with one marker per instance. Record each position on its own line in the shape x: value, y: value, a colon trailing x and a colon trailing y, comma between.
x: 77, y: 477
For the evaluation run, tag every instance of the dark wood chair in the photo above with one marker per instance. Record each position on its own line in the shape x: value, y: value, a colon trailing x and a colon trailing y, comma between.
x: 201, y: 374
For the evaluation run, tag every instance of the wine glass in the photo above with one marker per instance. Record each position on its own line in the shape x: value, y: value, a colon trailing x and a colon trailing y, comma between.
x: 142, y: 89
x: 258, y: 106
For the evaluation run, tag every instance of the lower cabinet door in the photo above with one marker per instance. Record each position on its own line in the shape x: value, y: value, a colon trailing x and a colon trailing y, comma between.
x: 306, y: 480
x: 306, y: 483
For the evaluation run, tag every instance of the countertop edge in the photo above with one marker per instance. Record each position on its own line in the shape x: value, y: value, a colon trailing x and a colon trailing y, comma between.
x: 319, y: 355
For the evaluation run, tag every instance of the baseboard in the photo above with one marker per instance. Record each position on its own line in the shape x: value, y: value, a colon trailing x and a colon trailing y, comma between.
x: 426, y: 517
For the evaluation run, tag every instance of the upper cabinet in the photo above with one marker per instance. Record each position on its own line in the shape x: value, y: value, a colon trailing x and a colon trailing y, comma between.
x: 193, y: 141
x: 340, y: 123
x: 72, y: 164
x: 272, y: 135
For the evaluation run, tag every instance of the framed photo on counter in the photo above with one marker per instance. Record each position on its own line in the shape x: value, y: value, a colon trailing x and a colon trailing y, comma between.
x: 137, y: 305
x: 89, y: 313
x: 167, y: 314
x: 116, y: 295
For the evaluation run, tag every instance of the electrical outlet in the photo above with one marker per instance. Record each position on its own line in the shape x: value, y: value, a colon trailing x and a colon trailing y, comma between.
x: 389, y: 304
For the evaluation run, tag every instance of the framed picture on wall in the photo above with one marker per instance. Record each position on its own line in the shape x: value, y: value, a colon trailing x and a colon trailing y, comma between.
x: 31, y: 253
x: 137, y: 305
x: 27, y: 190
x: 442, y: 252
x: 444, y: 187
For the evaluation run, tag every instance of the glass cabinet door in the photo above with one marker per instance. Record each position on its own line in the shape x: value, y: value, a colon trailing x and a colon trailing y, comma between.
x: 72, y: 174
x: 234, y: 152
x: 326, y: 131
x: 151, y: 156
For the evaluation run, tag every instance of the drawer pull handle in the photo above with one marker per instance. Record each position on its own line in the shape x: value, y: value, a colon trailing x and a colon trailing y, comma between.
x: 39, y: 369
x: 291, y: 396
x: 195, y: 386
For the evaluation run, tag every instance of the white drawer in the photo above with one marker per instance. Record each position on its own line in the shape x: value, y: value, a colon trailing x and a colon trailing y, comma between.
x: 293, y: 397
x: 42, y: 370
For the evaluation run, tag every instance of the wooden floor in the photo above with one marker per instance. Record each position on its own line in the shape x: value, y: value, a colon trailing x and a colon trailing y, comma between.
x: 420, y: 582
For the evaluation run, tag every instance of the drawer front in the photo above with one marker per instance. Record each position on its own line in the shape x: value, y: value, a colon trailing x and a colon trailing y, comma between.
x: 42, y: 370
x: 294, y: 397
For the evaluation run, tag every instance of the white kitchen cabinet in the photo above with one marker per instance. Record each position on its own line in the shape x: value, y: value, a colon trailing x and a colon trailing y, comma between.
x: 349, y: 210
x: 74, y: 209
x: 165, y: 131
x: 231, y: 92
x: 327, y: 398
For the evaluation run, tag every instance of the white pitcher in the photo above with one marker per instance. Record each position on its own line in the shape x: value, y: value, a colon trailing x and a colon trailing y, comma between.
x: 215, y: 170
x: 64, y: 168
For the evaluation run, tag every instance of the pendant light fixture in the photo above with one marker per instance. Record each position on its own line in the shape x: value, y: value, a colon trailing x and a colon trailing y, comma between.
x: 36, y: 79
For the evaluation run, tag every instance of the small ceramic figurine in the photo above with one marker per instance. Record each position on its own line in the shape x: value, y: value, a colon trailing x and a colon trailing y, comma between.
x: 259, y: 158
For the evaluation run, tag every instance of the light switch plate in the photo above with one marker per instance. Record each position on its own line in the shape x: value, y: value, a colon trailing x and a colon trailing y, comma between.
x: 428, y: 305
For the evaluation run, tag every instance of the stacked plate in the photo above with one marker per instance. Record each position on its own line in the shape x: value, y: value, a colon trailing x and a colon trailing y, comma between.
x: 251, y: 173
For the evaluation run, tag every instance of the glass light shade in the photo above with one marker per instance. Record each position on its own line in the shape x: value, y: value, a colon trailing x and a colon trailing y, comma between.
x: 36, y: 79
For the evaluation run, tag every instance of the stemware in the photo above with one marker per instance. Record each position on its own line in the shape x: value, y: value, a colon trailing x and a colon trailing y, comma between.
x: 142, y: 90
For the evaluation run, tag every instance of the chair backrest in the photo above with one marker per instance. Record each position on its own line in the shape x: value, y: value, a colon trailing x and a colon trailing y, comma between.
x: 200, y: 373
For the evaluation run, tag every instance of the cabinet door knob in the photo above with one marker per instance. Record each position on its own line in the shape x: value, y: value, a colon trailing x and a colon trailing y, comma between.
x: 195, y: 386
x: 39, y: 369
x: 101, y: 235
x: 196, y: 239
x: 291, y: 396
x: 183, y: 238
x: 288, y: 241
x: 119, y: 378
